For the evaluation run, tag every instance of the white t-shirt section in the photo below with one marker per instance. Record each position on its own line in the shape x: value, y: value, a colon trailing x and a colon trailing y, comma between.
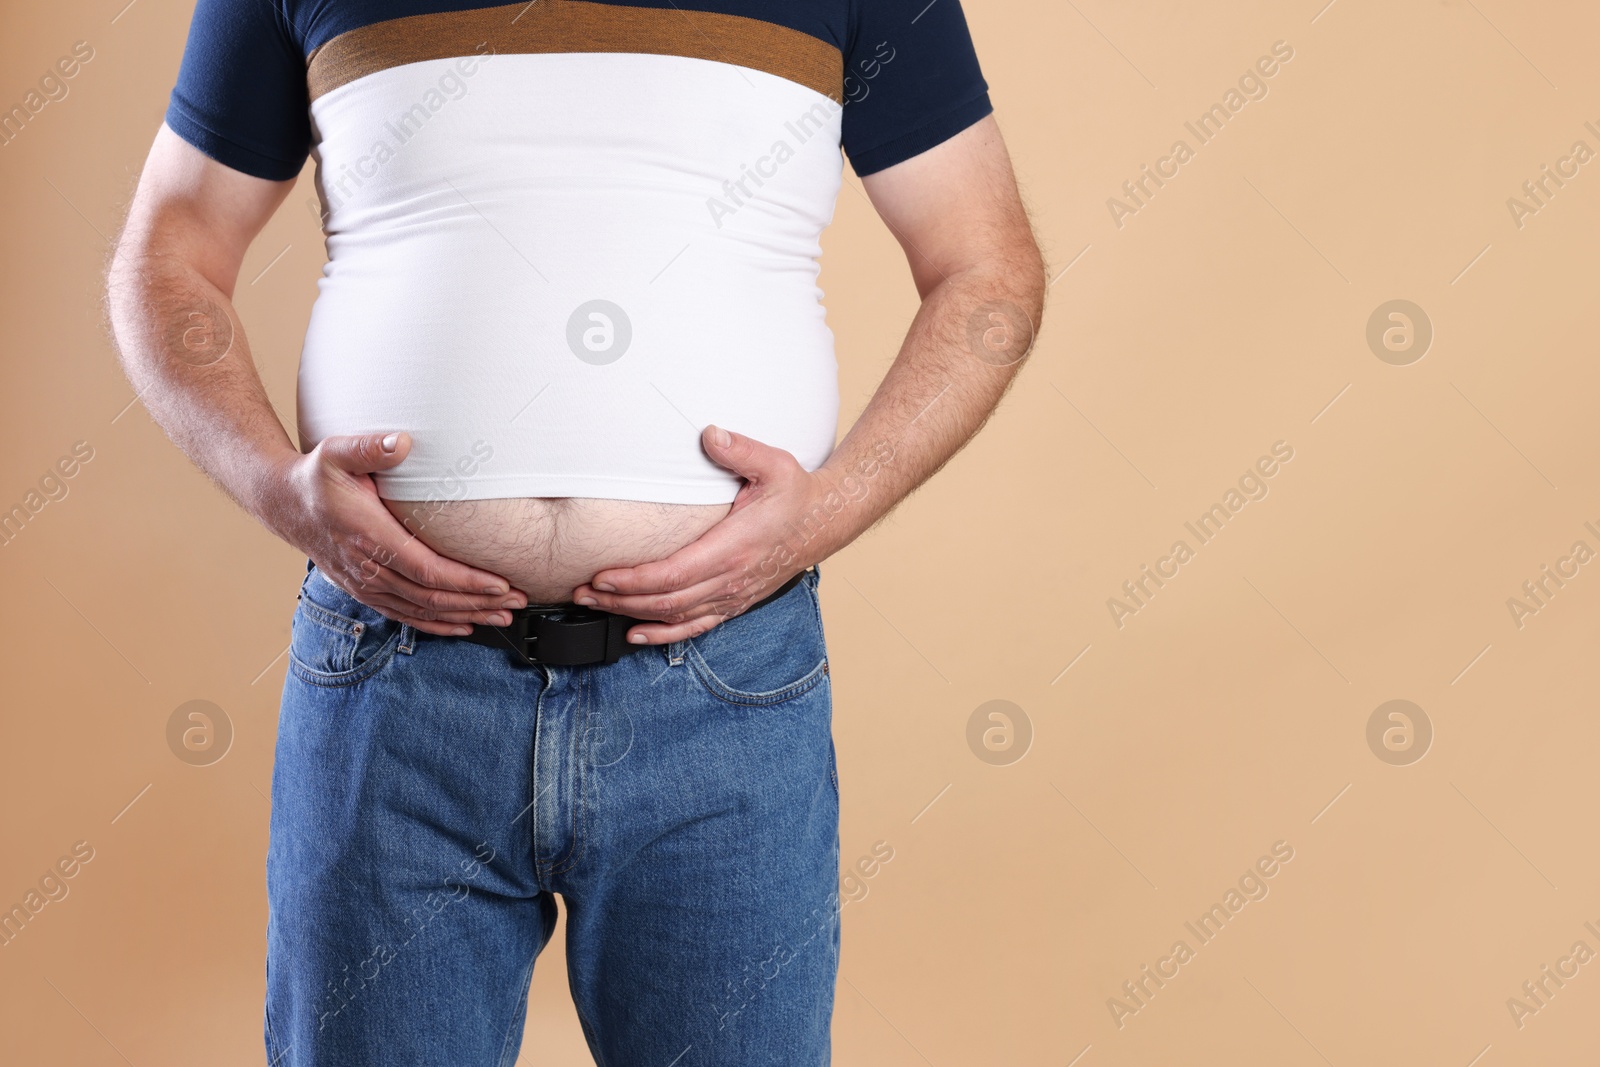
x: 574, y: 263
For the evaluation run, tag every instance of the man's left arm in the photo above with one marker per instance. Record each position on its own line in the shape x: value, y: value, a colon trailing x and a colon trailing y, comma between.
x: 958, y: 215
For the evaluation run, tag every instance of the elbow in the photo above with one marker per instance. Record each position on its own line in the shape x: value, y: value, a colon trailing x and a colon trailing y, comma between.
x: 131, y: 284
x: 1007, y: 290
x: 123, y: 279
x: 1026, y: 274
x: 1013, y: 269
x: 1030, y: 274
x: 118, y: 294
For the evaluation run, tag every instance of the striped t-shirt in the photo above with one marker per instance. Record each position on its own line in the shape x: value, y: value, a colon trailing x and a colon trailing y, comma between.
x: 570, y: 234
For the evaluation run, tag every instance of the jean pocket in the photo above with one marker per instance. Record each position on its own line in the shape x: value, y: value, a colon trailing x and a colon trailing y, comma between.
x: 337, y: 640
x: 767, y: 656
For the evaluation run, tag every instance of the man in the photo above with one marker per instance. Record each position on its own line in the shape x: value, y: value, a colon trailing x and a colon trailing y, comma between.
x: 570, y: 403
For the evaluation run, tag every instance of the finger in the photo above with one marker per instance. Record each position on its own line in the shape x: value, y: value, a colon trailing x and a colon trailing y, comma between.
x: 397, y: 610
x: 365, y: 453
x: 723, y: 595
x: 414, y: 560
x: 401, y: 610
x: 429, y: 602
x: 745, y: 456
x: 387, y: 543
x: 713, y: 554
x: 658, y: 633
x: 367, y: 579
x: 438, y: 629
x: 373, y: 594
x: 442, y: 627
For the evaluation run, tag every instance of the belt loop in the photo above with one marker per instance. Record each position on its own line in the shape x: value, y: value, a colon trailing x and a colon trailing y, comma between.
x: 408, y: 638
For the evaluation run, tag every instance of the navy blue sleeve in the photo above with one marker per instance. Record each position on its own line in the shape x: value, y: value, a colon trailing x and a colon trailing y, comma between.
x: 241, y: 95
x: 911, y: 80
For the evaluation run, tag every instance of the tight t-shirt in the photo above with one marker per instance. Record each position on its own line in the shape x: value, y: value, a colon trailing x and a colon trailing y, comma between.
x: 564, y: 236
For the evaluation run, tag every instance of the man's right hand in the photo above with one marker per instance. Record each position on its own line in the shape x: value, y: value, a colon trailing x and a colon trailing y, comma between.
x: 326, y: 504
x: 175, y: 268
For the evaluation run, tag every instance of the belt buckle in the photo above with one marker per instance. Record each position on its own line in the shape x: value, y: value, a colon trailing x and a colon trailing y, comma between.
x: 576, y: 635
x: 527, y: 638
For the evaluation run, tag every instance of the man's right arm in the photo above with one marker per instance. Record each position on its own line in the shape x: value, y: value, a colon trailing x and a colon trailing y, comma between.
x: 170, y: 290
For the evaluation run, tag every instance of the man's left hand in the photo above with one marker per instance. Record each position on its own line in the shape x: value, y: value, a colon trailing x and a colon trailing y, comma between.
x: 733, y: 565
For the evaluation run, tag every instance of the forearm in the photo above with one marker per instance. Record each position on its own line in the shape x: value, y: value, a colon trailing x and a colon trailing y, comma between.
x: 183, y: 350
x: 960, y: 355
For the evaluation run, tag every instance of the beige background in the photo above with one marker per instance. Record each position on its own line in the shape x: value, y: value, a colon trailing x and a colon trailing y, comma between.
x: 1230, y: 713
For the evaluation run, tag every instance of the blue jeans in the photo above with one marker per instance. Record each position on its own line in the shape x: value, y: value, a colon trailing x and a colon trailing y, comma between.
x: 431, y: 797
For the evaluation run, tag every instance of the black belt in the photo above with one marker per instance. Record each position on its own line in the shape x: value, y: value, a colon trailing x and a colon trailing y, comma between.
x: 567, y: 635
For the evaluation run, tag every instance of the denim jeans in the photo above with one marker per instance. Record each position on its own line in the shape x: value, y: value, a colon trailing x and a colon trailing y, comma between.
x: 431, y: 797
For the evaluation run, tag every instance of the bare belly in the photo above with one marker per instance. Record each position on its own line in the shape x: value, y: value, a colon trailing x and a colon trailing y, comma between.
x: 548, y: 546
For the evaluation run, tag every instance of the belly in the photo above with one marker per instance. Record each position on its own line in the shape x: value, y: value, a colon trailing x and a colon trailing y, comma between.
x: 550, y: 288
x: 557, y: 284
x: 548, y: 546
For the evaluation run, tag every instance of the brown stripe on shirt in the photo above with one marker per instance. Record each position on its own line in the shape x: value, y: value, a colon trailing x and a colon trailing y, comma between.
x: 556, y: 26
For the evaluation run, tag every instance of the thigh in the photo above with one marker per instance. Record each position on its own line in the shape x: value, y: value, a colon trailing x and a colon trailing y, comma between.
x: 703, y: 922
x: 404, y: 914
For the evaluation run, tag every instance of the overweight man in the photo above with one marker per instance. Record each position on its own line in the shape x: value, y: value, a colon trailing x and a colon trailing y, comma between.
x: 567, y: 413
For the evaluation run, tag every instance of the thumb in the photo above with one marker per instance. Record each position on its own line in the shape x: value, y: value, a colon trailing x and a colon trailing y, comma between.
x: 744, y: 456
x: 365, y: 453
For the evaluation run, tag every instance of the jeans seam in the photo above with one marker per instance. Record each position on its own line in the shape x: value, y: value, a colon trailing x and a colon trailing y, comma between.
x: 589, y: 1036
x: 339, y: 679
x: 580, y: 780
x: 816, y: 601
x: 519, y: 1007
x: 539, y: 871
x: 274, y: 1053
x: 330, y: 619
x: 738, y: 698
x: 717, y: 688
